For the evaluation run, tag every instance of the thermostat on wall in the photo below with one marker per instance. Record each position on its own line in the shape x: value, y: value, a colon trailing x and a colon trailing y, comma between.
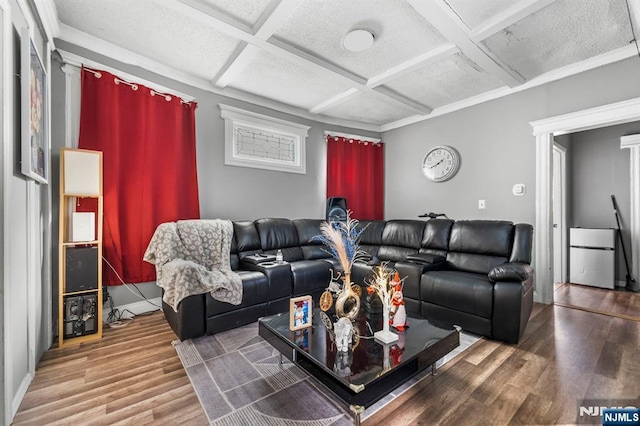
x: 518, y: 189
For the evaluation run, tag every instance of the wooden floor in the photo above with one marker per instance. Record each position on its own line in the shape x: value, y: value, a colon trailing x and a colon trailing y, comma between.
x: 620, y: 301
x: 133, y: 376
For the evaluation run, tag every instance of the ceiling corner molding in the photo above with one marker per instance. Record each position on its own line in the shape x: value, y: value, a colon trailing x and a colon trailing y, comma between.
x: 560, y: 73
x: 49, y: 16
x: 605, y: 115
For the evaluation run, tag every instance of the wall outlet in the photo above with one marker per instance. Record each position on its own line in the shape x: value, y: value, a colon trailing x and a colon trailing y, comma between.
x: 481, y: 204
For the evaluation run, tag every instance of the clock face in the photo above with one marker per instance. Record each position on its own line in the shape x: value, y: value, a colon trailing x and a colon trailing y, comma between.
x: 441, y: 163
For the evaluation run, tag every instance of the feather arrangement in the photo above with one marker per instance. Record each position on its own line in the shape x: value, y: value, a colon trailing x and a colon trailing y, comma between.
x: 342, y: 239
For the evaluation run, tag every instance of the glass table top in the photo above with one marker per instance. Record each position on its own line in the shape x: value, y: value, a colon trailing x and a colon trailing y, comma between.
x: 369, y: 359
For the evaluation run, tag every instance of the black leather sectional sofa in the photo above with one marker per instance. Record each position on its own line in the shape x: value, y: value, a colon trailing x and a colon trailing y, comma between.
x: 475, y: 274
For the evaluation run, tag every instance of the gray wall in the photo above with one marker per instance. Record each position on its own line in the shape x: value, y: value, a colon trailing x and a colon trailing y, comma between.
x: 496, y: 145
x: 228, y: 192
x: 598, y: 169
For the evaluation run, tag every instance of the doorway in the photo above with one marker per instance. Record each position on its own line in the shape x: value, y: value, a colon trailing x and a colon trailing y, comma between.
x: 544, y: 131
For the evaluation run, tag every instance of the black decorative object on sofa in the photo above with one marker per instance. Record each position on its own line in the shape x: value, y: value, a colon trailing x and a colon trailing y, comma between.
x: 475, y: 274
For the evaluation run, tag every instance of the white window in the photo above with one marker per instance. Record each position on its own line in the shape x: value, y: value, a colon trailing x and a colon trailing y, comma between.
x: 263, y: 142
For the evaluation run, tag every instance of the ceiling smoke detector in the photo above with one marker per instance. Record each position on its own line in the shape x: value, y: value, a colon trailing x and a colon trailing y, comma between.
x: 358, y: 40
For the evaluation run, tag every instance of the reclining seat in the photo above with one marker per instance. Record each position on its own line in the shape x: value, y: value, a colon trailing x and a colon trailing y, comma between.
x: 431, y: 256
x: 256, y: 295
x: 307, y: 276
x: 486, y: 285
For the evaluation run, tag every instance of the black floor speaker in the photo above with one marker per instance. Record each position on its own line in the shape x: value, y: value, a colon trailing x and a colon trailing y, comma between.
x: 81, y: 269
x: 336, y: 208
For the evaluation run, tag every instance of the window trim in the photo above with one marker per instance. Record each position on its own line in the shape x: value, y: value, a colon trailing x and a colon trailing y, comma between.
x: 236, y: 117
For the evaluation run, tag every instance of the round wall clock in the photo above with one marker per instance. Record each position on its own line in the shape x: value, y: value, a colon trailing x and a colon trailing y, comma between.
x: 441, y: 163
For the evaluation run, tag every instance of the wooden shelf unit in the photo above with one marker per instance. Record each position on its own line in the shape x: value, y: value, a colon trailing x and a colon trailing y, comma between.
x: 80, y: 177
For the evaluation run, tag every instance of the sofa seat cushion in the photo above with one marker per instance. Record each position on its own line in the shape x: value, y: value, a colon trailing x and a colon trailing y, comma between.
x: 255, y: 289
x: 462, y: 291
x: 309, y: 276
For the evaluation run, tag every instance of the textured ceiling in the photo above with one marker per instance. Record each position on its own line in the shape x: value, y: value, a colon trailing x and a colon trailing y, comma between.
x: 428, y: 57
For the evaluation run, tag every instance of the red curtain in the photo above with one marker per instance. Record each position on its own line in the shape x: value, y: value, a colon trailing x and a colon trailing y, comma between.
x: 355, y: 171
x: 149, y: 159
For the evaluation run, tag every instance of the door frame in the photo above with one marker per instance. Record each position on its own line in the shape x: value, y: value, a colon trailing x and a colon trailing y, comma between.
x: 544, y: 130
x: 562, y: 151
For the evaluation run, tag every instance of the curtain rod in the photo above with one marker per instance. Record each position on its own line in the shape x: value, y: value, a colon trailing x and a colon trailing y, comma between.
x: 77, y: 61
x: 348, y: 136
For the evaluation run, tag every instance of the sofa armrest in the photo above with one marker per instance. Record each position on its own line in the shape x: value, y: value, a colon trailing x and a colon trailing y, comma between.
x: 511, y: 272
x: 512, y: 305
x: 278, y: 276
x: 412, y: 274
x: 189, y: 320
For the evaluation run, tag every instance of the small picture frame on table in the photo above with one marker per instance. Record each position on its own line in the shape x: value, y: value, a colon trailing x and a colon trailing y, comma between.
x: 300, y: 312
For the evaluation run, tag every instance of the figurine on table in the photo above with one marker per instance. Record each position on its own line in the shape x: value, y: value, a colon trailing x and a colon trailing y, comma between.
x: 398, y: 311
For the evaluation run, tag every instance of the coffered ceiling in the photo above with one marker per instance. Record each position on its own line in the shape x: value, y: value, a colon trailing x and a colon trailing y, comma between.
x: 429, y: 57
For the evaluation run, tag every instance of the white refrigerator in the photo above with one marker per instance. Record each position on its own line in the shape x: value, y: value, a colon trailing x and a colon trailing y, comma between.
x: 592, y: 256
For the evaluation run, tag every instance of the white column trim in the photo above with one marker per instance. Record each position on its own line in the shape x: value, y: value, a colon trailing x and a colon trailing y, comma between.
x: 543, y: 236
x: 71, y: 105
x: 6, y: 86
x: 593, y: 118
x: 632, y: 143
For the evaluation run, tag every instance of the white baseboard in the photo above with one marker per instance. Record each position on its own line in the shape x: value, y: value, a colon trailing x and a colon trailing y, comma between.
x: 135, y: 308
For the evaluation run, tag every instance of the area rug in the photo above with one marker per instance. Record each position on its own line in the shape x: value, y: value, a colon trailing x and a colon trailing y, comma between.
x: 239, y: 380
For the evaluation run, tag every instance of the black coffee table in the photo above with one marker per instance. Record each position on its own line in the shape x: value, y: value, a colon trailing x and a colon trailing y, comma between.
x: 371, y: 370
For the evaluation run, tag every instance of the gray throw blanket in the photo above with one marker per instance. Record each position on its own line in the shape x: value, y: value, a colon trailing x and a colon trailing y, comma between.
x: 192, y: 257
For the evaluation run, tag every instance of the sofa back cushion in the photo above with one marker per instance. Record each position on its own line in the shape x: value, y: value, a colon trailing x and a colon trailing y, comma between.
x: 522, y: 243
x: 279, y: 234
x: 245, y: 241
x: 436, y: 237
x: 479, y: 245
x: 371, y: 238
x: 307, y: 229
x: 401, y: 238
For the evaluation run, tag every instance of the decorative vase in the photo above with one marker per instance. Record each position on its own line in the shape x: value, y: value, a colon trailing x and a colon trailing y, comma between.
x: 348, y: 299
x: 384, y: 335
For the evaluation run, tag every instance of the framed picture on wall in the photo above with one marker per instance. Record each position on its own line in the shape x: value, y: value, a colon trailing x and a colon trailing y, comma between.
x: 34, y: 101
x: 300, y: 312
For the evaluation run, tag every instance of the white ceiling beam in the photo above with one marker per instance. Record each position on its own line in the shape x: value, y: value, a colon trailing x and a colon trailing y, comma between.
x: 208, y: 15
x: 418, y: 107
x: 507, y: 17
x: 264, y: 29
x: 246, y: 53
x: 336, y: 100
x: 440, y: 15
x: 413, y: 64
x: 278, y: 17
